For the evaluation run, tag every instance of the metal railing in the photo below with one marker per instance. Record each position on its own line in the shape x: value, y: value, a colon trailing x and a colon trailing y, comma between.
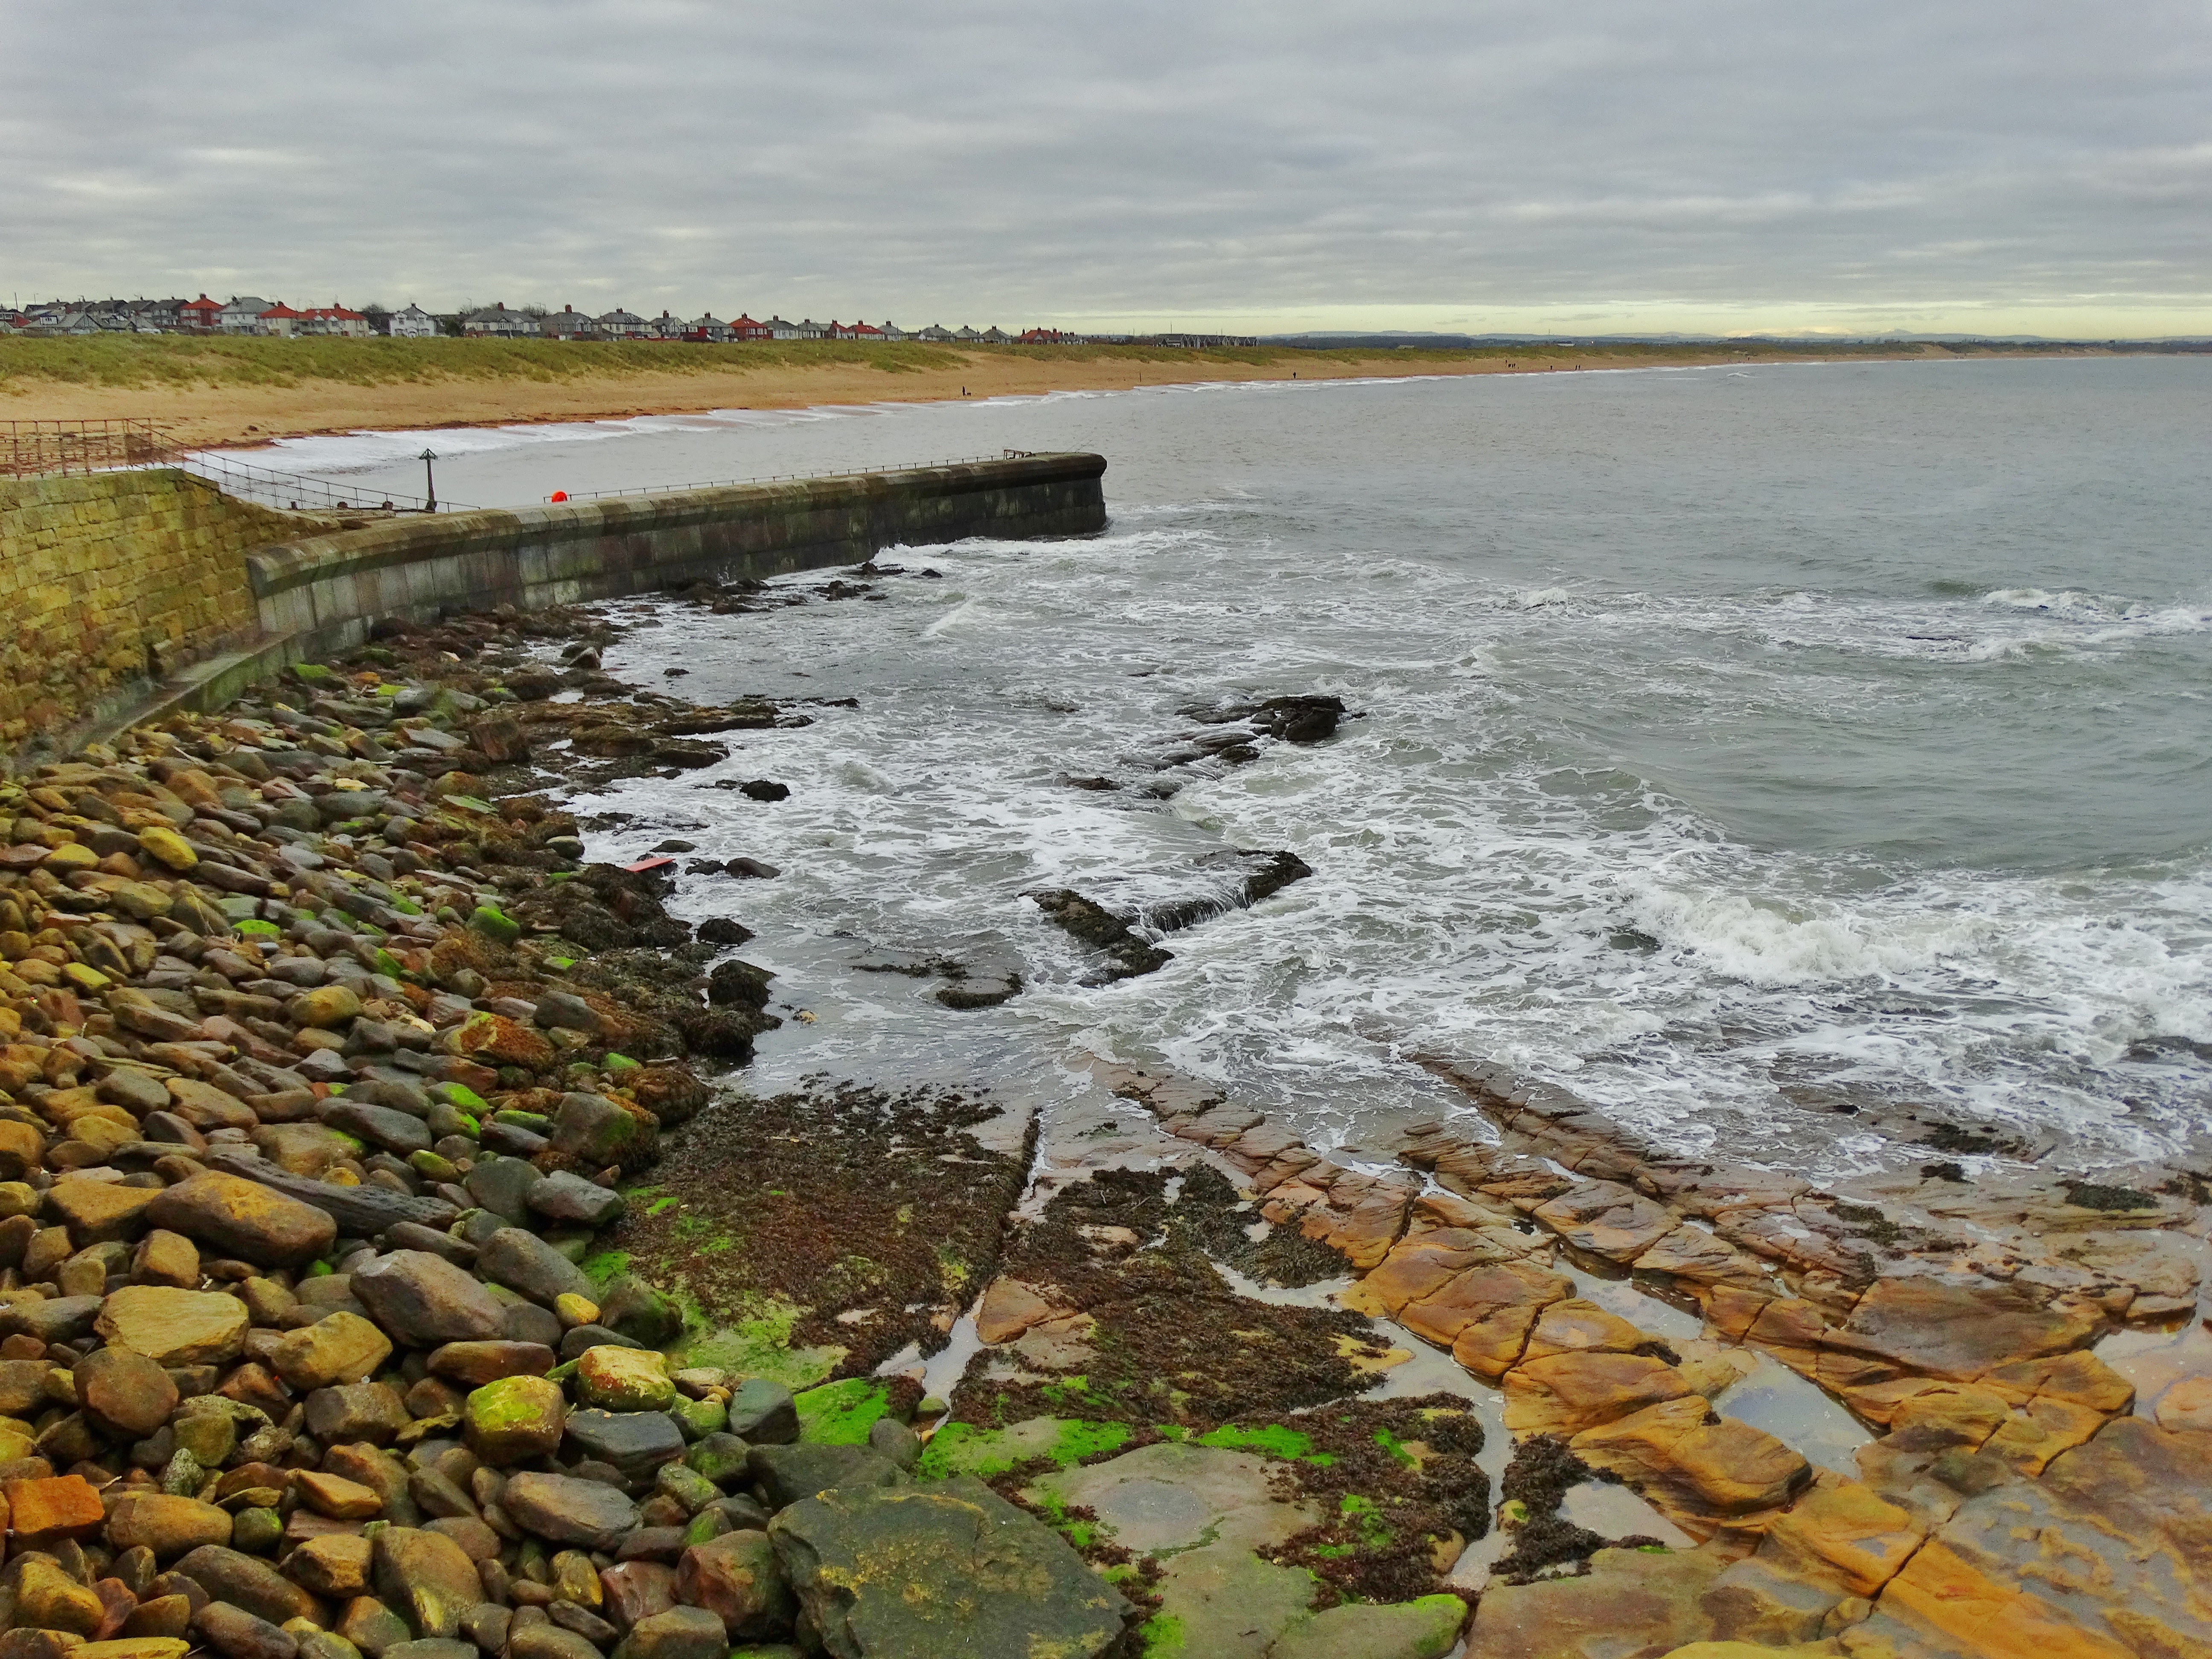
x: 296, y: 492
x: 32, y: 448
x: 29, y: 448
x: 563, y: 497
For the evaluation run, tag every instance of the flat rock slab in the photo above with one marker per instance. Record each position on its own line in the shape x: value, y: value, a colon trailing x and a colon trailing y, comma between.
x: 1171, y: 1496
x: 918, y: 1573
x: 1631, y: 1605
x: 1224, y: 1602
x: 1424, y: 1629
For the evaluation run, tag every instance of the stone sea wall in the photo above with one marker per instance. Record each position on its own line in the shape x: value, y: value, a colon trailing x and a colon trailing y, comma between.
x: 326, y: 590
x: 110, y: 581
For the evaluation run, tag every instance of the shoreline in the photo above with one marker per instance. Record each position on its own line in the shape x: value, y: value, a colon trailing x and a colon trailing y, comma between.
x: 247, y: 417
x: 629, y: 1363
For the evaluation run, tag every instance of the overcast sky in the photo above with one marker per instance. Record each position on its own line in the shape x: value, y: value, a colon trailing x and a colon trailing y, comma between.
x: 1995, y: 165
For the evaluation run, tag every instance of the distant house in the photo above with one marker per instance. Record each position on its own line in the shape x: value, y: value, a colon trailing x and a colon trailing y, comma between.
x: 994, y: 336
x: 619, y: 324
x: 414, y: 324
x: 200, y: 316
x: 155, y: 316
x: 334, y: 319
x: 566, y: 324
x: 496, y: 322
x: 746, y: 329
x: 1044, y: 336
x: 242, y: 315
x: 808, y: 330
x: 937, y: 332
x: 967, y: 335
x: 705, y: 329
x: 281, y: 320
x: 854, y: 331
x: 891, y: 330
x: 667, y: 327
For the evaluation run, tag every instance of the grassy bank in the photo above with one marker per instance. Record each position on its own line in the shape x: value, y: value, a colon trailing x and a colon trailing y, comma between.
x: 242, y: 390
x: 176, y: 362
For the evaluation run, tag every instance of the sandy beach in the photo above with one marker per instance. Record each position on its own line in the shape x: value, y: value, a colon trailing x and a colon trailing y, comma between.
x: 234, y: 415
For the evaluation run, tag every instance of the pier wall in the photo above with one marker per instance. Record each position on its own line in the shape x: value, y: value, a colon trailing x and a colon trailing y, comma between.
x: 125, y: 595
x: 324, y: 591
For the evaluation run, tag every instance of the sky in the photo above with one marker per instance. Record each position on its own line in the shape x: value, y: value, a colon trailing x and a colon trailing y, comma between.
x: 1483, y: 165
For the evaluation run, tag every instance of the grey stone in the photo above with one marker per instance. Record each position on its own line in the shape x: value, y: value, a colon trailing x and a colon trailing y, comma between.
x: 787, y: 1473
x: 380, y: 1125
x: 764, y: 1414
x: 678, y: 1633
x: 423, y: 1300
x: 526, y: 1263
x: 895, y: 1441
x: 567, y: 1197
x: 501, y: 1185
x: 636, y: 1443
x: 567, y: 1510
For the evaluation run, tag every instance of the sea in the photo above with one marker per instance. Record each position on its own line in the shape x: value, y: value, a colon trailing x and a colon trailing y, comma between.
x: 1807, y: 764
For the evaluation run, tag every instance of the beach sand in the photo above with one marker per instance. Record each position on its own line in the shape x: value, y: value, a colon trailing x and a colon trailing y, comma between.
x: 232, y: 415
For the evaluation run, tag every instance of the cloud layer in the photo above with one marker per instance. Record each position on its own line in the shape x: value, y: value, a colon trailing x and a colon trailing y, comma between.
x: 1497, y: 163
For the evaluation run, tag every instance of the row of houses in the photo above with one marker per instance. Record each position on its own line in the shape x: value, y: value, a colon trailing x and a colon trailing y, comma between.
x: 242, y: 314
x: 497, y: 322
x: 249, y: 314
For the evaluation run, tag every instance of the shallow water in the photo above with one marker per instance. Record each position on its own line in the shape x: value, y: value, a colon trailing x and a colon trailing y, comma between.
x: 1759, y: 753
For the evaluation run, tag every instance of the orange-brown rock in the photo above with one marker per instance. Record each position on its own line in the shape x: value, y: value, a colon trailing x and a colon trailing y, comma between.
x: 1577, y: 1326
x: 1941, y: 1327
x: 1940, y: 1606
x: 1486, y: 1314
x: 42, y: 1512
x: 1009, y: 1308
x: 1844, y: 1530
x: 1606, y: 1219
x: 244, y: 1219
x: 1419, y: 1266
x: 1566, y: 1393
x: 1700, y: 1473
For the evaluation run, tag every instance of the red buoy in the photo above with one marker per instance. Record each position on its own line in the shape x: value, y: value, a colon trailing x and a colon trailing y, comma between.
x: 560, y: 495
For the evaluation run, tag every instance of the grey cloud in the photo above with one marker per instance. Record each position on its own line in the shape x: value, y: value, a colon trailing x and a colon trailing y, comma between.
x: 979, y: 161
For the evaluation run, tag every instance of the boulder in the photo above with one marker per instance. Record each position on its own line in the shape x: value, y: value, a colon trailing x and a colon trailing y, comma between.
x: 516, y: 1418
x: 227, y: 1576
x: 636, y: 1443
x: 427, y: 1576
x: 1427, y: 1628
x: 678, y: 1633
x: 597, y: 1131
x: 787, y: 1473
x: 560, y: 1508
x: 168, y: 1526
x: 737, y: 1578
x: 921, y: 1572
x: 476, y: 1364
x: 244, y: 1219
x: 527, y: 1265
x: 172, y: 1327
x: 567, y: 1198
x: 424, y: 1300
x: 335, y: 1565
x: 623, y: 1380
x: 125, y: 1393
x: 764, y: 1414
x: 341, y: 1348
x: 44, y: 1510
x: 238, y: 1634
x: 46, y: 1598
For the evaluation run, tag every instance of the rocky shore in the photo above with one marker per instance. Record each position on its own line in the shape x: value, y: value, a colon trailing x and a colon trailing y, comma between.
x: 382, y: 1273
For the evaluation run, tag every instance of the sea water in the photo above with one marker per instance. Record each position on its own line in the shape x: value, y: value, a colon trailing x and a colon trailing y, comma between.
x: 1788, y: 759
